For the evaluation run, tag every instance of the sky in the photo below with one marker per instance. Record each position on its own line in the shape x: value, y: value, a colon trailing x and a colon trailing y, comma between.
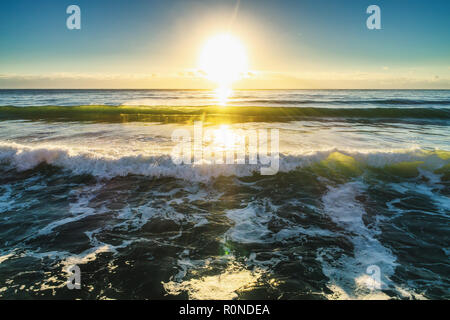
x: 289, y: 44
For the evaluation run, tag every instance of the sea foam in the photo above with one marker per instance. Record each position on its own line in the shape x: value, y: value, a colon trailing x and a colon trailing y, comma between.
x: 103, y: 165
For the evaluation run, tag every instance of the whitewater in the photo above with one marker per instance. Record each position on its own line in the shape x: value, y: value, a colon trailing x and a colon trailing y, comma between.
x: 87, y: 178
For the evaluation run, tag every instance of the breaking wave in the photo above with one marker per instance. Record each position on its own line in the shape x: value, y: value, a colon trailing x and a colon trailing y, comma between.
x: 231, y: 113
x: 27, y: 157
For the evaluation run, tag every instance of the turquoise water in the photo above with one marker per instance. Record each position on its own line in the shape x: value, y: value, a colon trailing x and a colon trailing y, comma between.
x: 87, y: 179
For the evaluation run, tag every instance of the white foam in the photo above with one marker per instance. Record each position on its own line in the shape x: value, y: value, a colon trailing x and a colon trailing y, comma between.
x: 430, y: 188
x: 11, y: 198
x: 225, y: 285
x: 5, y: 257
x: 251, y: 225
x: 79, y: 210
x: 104, y: 165
x: 348, y: 273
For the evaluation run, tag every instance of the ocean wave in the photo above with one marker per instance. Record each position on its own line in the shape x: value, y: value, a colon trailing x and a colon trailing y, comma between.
x: 103, y: 113
x: 344, y: 101
x: 341, y: 205
x: 27, y: 157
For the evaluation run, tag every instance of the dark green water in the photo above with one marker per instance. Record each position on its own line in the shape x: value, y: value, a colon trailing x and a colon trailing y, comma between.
x: 362, y: 184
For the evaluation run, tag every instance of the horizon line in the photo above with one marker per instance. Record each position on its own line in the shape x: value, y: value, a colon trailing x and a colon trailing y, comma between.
x: 209, y: 89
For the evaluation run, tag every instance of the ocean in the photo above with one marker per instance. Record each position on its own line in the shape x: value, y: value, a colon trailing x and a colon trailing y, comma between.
x: 358, y: 207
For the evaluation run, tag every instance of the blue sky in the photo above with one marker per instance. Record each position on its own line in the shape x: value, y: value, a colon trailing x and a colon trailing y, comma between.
x: 303, y: 43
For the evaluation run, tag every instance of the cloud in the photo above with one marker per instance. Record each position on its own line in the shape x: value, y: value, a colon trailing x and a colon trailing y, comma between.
x: 346, y: 80
x: 195, y: 79
x: 76, y: 76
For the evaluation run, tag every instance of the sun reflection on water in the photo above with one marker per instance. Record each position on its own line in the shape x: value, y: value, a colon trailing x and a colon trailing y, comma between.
x: 223, y: 286
x: 224, y: 138
x: 223, y: 94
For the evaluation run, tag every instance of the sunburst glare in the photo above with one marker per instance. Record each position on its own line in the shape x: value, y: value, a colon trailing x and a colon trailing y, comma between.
x: 223, y: 60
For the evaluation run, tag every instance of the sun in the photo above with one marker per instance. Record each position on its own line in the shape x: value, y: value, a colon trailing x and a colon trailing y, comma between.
x: 223, y: 60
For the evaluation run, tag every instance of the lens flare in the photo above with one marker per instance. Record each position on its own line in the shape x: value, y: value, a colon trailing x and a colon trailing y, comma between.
x: 223, y: 61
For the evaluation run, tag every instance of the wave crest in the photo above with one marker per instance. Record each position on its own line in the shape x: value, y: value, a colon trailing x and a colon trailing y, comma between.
x: 22, y: 157
x: 231, y: 113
